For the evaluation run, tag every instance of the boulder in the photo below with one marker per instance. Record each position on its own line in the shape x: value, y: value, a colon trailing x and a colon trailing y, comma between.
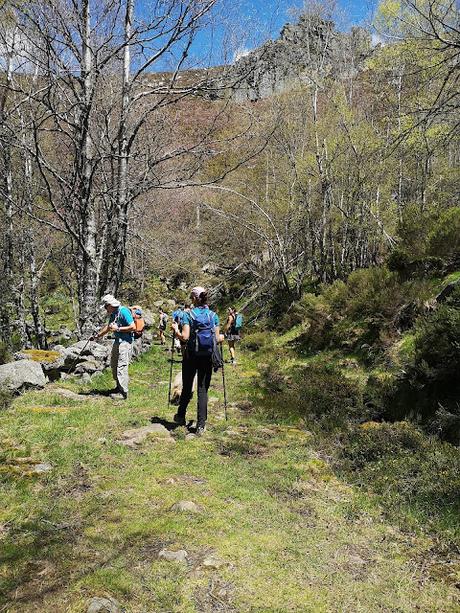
x: 177, y: 388
x: 149, y: 318
x: 89, y: 366
x: 22, y: 374
x: 103, y: 605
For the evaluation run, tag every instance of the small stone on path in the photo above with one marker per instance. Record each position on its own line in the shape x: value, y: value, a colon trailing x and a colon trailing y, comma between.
x: 136, y: 436
x: 42, y: 468
x: 214, y: 562
x: 186, y: 506
x: 213, y: 400
x: 104, y: 605
x: 173, y: 556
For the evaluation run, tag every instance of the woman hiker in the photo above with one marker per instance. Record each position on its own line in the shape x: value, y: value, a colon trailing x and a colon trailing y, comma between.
x: 121, y: 322
x: 163, y: 320
x: 199, y: 326
x: 232, y: 333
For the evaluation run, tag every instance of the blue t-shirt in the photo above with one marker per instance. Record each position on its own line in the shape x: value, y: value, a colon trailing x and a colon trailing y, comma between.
x: 187, y: 319
x: 122, y: 317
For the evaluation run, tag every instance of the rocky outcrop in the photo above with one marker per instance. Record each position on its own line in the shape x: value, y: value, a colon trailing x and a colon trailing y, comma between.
x: 22, y: 374
x: 310, y: 48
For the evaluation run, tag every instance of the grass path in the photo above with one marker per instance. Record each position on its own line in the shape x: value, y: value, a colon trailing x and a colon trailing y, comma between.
x: 277, y: 531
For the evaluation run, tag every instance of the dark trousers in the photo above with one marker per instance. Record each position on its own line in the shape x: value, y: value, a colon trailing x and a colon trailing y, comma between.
x: 190, y: 366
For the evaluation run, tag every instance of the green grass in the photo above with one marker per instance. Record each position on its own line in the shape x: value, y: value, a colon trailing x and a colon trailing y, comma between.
x: 290, y: 535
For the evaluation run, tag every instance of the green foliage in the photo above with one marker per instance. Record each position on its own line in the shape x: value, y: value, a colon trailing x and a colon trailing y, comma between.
x: 444, y: 238
x: 5, y: 353
x: 417, y: 475
x: 50, y: 279
x: 318, y: 392
x: 256, y: 341
x: 6, y: 398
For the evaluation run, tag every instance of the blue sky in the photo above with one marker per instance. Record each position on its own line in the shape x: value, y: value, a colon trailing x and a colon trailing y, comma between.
x: 245, y: 24
x: 237, y: 26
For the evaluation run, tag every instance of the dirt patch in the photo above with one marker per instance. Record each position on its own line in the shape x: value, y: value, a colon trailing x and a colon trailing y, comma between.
x: 216, y: 597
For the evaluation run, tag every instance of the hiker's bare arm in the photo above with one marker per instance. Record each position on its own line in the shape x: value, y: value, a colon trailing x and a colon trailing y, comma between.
x: 228, y: 323
x: 219, y: 337
x: 128, y: 328
x: 182, y: 336
x: 102, y: 332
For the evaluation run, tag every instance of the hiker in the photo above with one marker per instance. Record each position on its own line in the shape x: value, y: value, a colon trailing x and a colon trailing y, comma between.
x: 121, y: 322
x: 177, y: 317
x: 162, y: 325
x: 232, y: 331
x: 200, y: 334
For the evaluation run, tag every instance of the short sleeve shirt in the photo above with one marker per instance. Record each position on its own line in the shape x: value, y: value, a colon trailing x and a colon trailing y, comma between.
x: 187, y: 320
x: 122, y: 317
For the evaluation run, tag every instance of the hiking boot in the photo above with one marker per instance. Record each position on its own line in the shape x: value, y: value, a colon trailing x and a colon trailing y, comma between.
x: 200, y: 430
x: 179, y: 419
x: 119, y: 396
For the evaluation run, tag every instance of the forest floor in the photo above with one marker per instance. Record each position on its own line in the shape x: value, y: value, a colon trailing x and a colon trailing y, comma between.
x: 273, y: 528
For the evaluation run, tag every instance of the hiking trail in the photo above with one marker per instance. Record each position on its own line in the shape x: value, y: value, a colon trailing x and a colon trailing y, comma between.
x: 106, y: 507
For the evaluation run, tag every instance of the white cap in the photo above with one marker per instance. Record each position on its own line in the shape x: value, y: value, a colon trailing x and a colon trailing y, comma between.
x: 197, y: 291
x: 109, y: 299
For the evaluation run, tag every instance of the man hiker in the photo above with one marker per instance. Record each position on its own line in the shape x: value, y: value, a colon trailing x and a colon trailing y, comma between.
x: 163, y: 320
x: 200, y: 333
x: 232, y: 331
x: 121, y: 322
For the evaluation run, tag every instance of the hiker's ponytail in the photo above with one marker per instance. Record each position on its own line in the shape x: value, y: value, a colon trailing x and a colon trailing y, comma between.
x: 203, y: 298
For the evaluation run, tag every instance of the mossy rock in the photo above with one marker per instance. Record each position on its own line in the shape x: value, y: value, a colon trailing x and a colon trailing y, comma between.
x: 42, y: 356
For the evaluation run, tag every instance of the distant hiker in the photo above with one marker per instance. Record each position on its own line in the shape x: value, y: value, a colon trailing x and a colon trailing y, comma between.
x: 177, y: 317
x: 232, y: 331
x: 121, y: 322
x: 162, y: 325
x: 200, y: 333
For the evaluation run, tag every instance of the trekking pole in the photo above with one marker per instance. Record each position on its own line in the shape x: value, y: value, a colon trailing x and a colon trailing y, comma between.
x: 223, y: 381
x: 72, y: 366
x: 171, y: 368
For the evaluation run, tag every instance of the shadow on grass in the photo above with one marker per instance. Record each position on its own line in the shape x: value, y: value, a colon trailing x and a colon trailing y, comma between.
x: 172, y: 425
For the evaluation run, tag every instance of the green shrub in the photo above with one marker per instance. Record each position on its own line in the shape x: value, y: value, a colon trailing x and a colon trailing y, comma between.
x: 256, y: 341
x: 444, y: 239
x: 6, y: 398
x: 5, y: 354
x: 418, y: 477
x: 319, y: 393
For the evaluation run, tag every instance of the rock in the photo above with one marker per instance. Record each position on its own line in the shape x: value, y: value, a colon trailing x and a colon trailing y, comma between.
x: 69, y: 394
x: 102, y: 441
x: 213, y: 400
x: 173, y: 556
x: 103, y: 605
x: 177, y: 388
x: 158, y: 303
x: 149, y: 319
x: 22, y: 374
x: 42, y: 468
x: 214, y: 562
x: 171, y: 303
x: 447, y: 291
x: 86, y: 378
x: 136, y: 436
x: 89, y: 366
x: 186, y: 506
